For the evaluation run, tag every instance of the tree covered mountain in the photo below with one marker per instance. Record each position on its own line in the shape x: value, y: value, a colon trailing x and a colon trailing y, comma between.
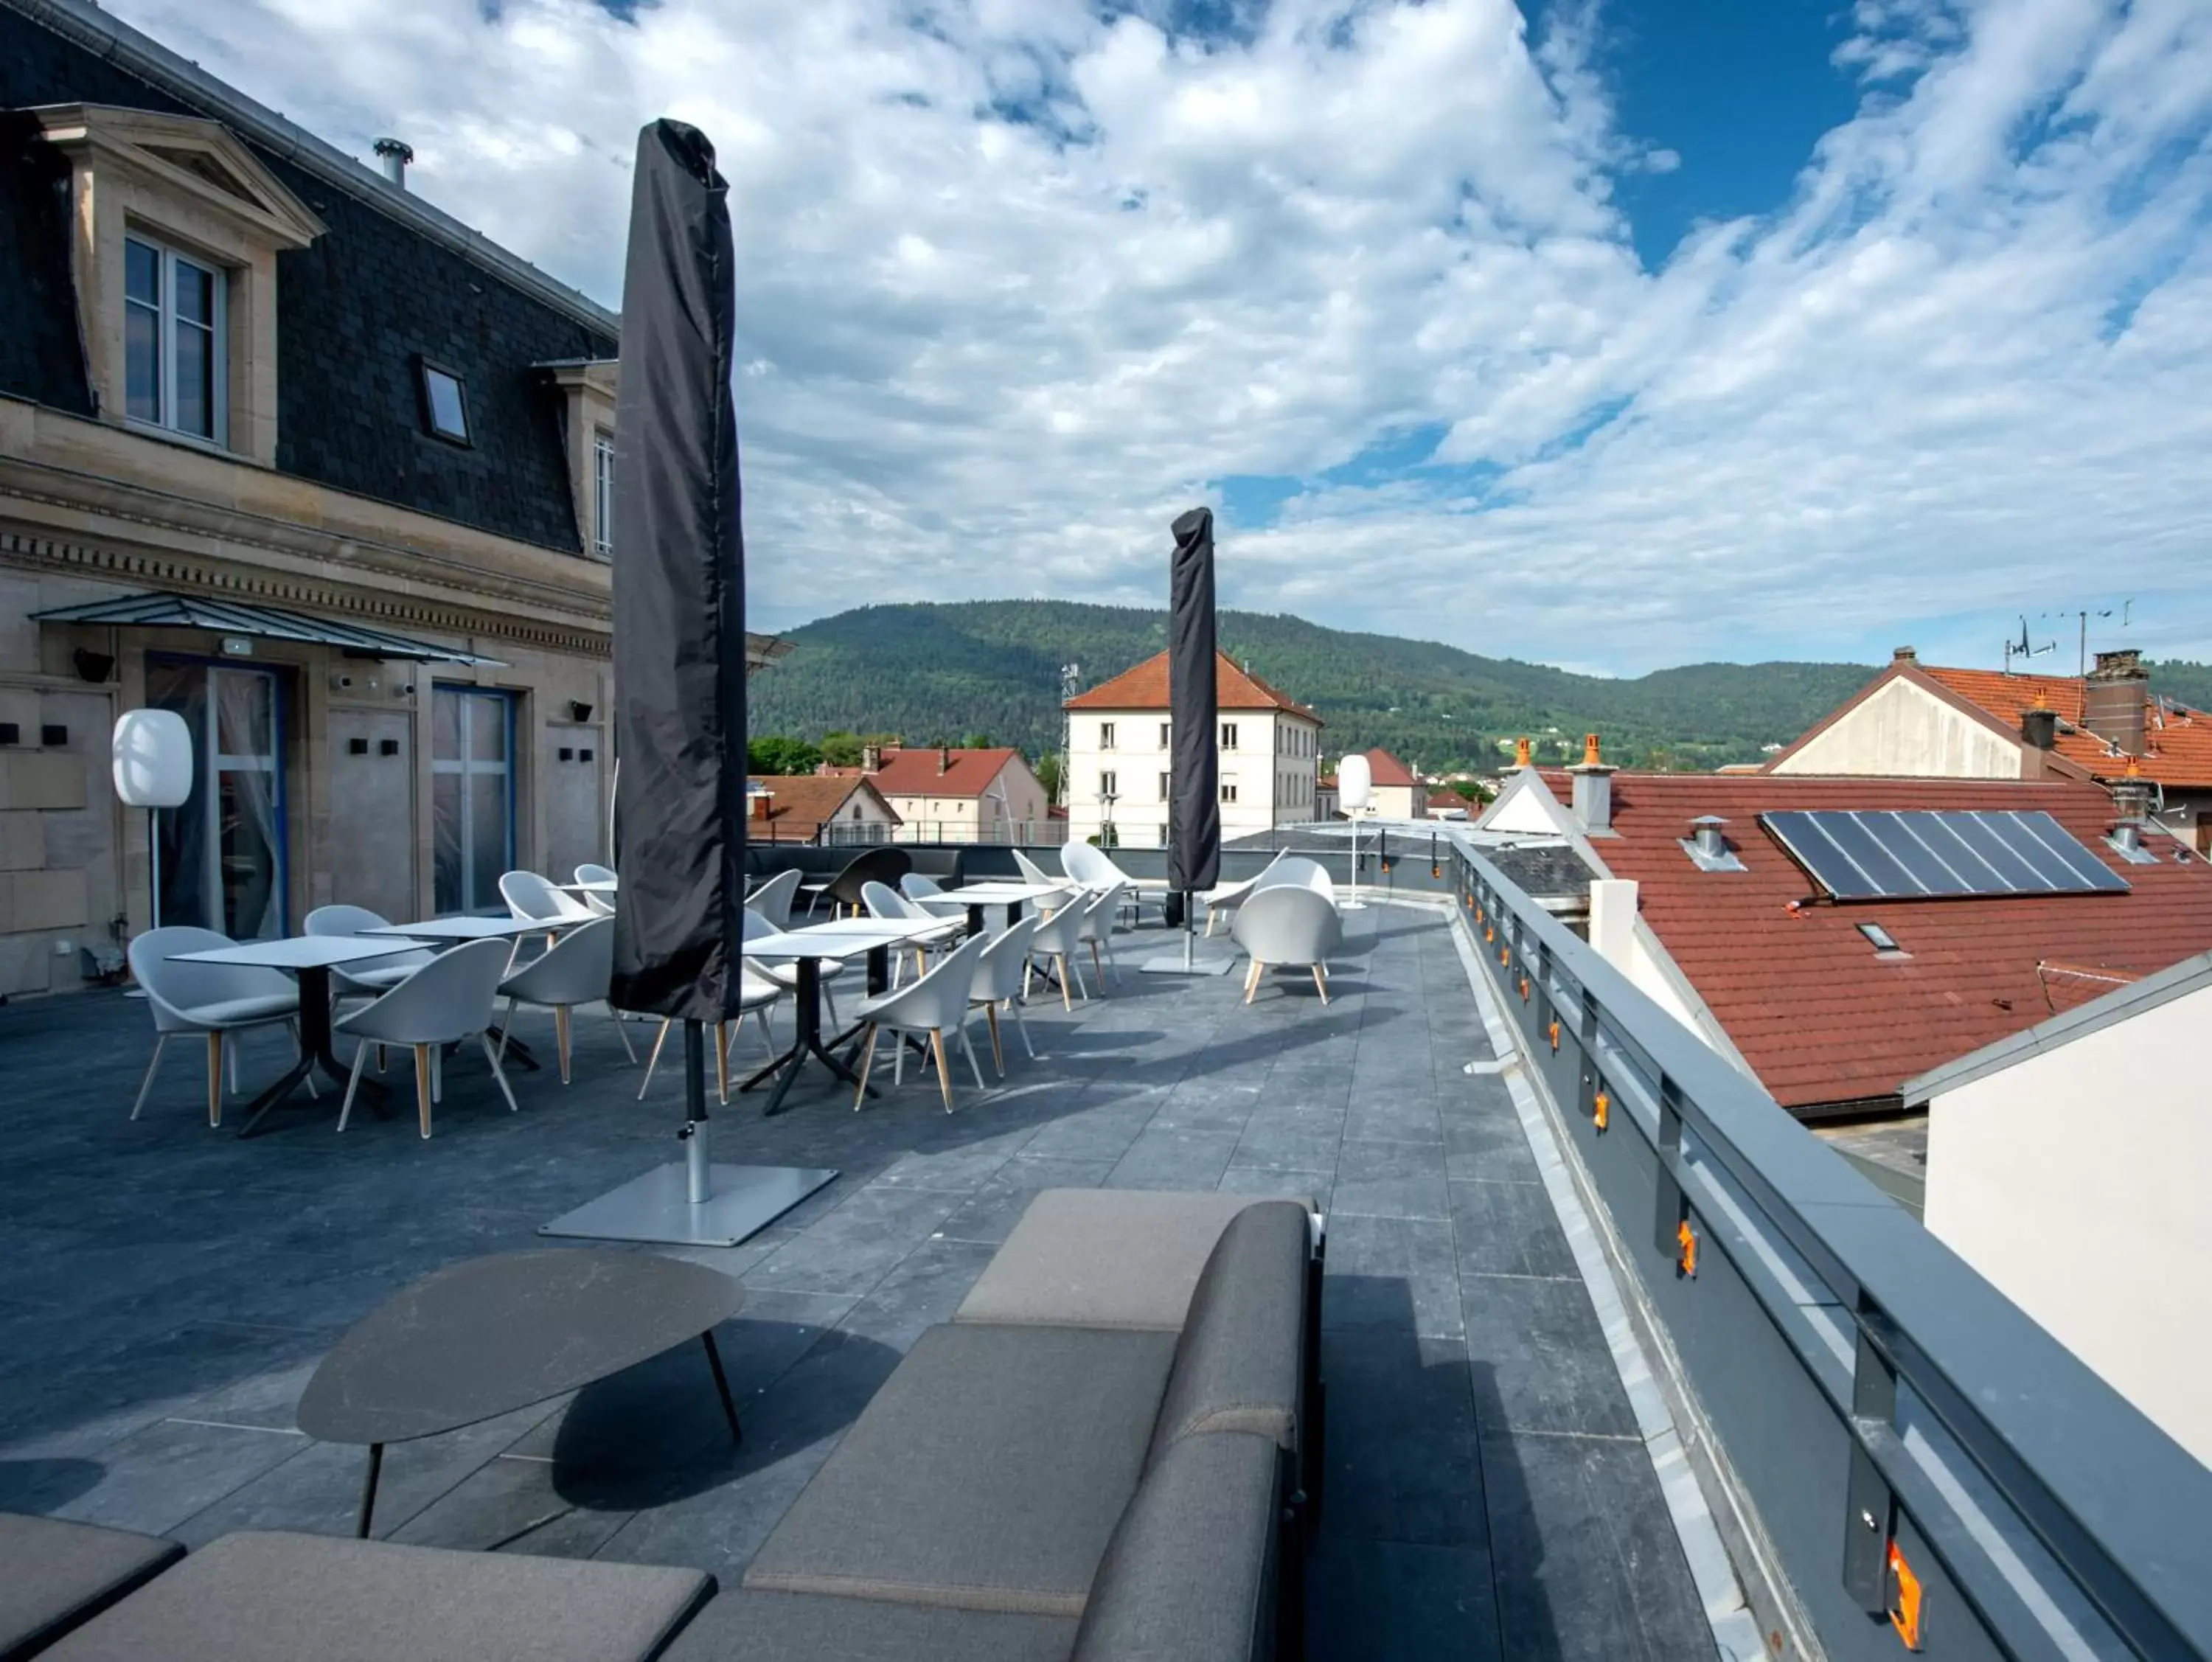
x: 940, y: 672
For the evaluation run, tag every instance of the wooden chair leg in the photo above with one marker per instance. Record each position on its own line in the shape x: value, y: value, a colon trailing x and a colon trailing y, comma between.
x: 867, y: 1061
x: 1320, y: 983
x: 944, y: 1073
x: 1066, y: 998
x: 353, y: 1084
x: 1252, y: 981
x: 722, y: 1061
x: 422, y: 1088
x: 653, y: 1060
x: 215, y: 1079
x: 998, y: 1053
x: 560, y: 1037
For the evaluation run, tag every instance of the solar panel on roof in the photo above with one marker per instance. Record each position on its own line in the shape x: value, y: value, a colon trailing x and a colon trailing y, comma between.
x: 1921, y: 854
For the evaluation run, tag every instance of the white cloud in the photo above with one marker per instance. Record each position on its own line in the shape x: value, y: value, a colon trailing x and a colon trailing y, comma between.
x: 1960, y: 374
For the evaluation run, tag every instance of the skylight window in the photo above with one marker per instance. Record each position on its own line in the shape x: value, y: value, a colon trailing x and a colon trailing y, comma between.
x: 445, y: 403
x: 1883, y: 942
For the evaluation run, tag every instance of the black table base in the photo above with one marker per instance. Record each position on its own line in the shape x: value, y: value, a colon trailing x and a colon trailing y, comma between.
x: 809, y: 1041
x: 314, y: 1047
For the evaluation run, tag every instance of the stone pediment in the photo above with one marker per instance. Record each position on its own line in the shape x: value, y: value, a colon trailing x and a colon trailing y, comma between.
x: 202, y: 161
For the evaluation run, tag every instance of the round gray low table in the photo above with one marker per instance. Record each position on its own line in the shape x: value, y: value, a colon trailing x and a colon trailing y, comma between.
x: 486, y: 1338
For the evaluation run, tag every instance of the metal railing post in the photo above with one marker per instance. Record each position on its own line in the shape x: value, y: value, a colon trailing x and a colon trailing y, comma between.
x: 1871, y: 1505
x: 1670, y: 1208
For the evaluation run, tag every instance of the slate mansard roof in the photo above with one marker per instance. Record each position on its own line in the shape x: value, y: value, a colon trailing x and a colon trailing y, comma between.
x: 392, y: 279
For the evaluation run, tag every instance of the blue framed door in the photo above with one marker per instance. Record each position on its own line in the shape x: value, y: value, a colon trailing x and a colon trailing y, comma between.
x: 471, y: 797
x: 222, y: 853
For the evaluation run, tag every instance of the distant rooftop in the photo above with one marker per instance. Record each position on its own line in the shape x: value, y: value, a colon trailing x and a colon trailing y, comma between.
x: 1145, y: 688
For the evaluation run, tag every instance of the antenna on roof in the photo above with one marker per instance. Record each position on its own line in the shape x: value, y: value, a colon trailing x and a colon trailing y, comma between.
x: 2020, y: 648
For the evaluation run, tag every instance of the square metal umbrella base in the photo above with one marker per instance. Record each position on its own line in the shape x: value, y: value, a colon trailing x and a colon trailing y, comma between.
x: 743, y: 1201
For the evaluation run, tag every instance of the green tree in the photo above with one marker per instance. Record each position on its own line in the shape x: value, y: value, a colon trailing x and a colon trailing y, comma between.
x: 976, y: 741
x: 774, y: 754
x: 1048, y: 772
x: 842, y: 749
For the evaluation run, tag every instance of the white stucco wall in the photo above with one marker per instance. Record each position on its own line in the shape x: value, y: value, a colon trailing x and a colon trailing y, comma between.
x: 1523, y: 805
x: 1272, y: 768
x: 2077, y: 1181
x: 1623, y: 941
x: 1905, y: 731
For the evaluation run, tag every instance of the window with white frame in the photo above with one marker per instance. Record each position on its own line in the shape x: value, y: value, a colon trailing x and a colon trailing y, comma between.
x: 173, y: 350
x: 1229, y: 792
x: 603, y: 494
x: 1164, y: 781
x: 1110, y: 783
x: 1229, y: 735
x: 1105, y: 735
x: 1167, y: 732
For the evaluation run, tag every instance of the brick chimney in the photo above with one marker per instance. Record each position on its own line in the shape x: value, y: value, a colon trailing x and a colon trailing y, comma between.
x: 757, y: 805
x: 1593, y: 790
x: 871, y: 758
x: 1905, y: 655
x: 2112, y: 699
x: 1521, y: 752
x: 944, y: 758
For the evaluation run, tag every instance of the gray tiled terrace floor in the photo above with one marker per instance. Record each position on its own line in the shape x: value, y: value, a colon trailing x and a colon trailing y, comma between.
x: 165, y: 1292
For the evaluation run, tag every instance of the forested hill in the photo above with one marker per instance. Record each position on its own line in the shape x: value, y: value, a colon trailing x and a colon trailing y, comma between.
x: 945, y: 673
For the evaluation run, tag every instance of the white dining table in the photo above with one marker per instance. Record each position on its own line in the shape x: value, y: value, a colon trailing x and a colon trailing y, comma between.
x: 806, y: 948
x: 310, y: 958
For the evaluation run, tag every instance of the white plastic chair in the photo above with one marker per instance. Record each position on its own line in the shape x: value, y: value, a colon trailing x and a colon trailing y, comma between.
x: 771, y: 900
x: 937, y: 1004
x: 929, y: 894
x: 759, y: 989
x: 1091, y: 868
x: 590, y: 873
x: 530, y: 896
x: 884, y: 901
x: 1094, y: 927
x: 379, y: 974
x: 1295, y: 870
x: 447, y: 1000
x: 217, y: 1000
x: 576, y: 970
x: 1044, y: 905
x: 1000, y: 973
x: 1054, y: 940
x: 1288, y: 924
x: 1030, y: 871
x: 1223, y: 898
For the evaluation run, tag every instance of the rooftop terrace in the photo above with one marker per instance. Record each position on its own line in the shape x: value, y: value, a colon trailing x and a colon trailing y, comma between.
x: 167, y: 1290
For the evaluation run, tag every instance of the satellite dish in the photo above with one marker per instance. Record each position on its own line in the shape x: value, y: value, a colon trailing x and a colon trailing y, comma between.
x: 152, y: 756
x: 1355, y: 783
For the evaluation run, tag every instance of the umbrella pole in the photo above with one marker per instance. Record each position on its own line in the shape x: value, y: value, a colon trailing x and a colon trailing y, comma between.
x: 1189, y: 907
x: 698, y: 1177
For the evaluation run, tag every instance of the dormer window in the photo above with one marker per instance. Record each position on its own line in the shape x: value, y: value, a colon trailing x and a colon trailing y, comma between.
x: 445, y: 402
x: 602, y: 497
x: 174, y: 351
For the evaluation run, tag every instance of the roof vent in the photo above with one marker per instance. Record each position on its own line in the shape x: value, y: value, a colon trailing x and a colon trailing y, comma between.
x: 1905, y: 655
x: 2125, y: 840
x: 1593, y: 790
x: 394, y: 155
x: 2039, y: 727
x: 1707, y: 845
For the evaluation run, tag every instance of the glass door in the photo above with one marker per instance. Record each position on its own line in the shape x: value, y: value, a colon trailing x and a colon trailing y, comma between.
x: 471, y: 797
x: 221, y: 854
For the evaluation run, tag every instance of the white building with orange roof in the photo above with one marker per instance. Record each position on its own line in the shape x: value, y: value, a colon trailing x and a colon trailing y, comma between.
x: 1118, y: 756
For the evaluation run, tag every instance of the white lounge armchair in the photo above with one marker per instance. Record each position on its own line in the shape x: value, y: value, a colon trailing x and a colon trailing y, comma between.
x: 1223, y: 898
x: 379, y: 974
x: 1288, y: 925
x: 576, y: 970
x: 999, y: 974
x: 937, y: 1004
x: 590, y: 873
x: 218, y: 1000
x: 447, y: 1000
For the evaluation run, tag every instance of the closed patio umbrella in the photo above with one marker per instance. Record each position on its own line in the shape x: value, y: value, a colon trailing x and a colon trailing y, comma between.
x: 1193, y: 702
x: 679, y: 615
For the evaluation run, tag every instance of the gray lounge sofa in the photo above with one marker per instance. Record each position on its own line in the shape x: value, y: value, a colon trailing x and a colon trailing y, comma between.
x: 1111, y: 1453
x: 1103, y: 1455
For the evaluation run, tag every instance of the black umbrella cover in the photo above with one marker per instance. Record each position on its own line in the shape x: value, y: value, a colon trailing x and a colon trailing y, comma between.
x: 679, y: 594
x: 1194, y: 766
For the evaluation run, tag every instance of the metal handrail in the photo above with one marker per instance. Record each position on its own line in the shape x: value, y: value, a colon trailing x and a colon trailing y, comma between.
x: 2122, y: 1509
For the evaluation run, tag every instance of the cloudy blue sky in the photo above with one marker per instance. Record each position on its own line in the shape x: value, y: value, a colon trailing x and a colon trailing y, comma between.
x: 1614, y: 333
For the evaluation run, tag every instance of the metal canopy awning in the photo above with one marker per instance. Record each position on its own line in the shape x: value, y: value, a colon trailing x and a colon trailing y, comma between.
x: 263, y: 623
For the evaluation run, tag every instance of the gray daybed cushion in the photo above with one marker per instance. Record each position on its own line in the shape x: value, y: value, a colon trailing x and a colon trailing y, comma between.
x: 986, y: 1474
x: 55, y: 1574
x: 281, y: 1597
x: 796, y: 1627
x: 1190, y: 1575
x: 1239, y: 1362
x: 1103, y: 1257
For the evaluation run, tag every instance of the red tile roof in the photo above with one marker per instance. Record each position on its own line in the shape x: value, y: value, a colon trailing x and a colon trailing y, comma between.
x: 800, y: 803
x: 1146, y: 687
x: 2178, y: 746
x: 914, y: 772
x: 1385, y: 769
x: 1802, y: 994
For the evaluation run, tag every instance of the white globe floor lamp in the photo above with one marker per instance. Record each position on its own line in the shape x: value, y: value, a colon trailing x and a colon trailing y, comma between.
x: 1355, y: 786
x: 153, y: 760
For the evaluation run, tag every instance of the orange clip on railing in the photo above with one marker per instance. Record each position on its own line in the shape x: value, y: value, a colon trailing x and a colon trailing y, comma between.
x: 1524, y: 990
x: 1602, y: 1110
x: 1685, y: 1248
x: 1555, y: 1038
x: 1905, y: 1615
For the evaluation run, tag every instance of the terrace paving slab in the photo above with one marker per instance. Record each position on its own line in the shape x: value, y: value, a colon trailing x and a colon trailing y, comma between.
x: 166, y: 1291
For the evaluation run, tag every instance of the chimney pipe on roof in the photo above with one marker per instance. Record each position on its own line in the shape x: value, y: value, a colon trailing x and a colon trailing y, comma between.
x: 1521, y: 753
x: 2113, y: 695
x: 2131, y: 797
x: 871, y: 758
x: 944, y: 758
x: 2039, y: 726
x: 1593, y: 790
x: 1706, y: 830
x: 394, y: 155
x: 1905, y: 655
